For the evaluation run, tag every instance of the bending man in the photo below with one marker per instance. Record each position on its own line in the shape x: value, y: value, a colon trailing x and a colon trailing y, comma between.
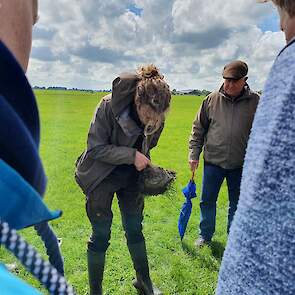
x: 126, y: 125
x: 222, y: 126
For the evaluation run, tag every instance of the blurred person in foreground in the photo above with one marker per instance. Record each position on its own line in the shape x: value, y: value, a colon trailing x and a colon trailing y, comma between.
x: 222, y: 126
x: 125, y: 126
x: 260, y: 254
x: 21, y: 168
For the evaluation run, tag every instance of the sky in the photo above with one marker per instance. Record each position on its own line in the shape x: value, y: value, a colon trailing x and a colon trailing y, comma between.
x: 88, y: 43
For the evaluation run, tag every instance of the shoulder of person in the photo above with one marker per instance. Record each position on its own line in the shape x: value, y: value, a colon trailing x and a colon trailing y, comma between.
x: 284, y: 65
x: 105, y: 102
x: 104, y: 106
x: 106, y: 99
x: 288, y: 51
x: 254, y: 95
x: 212, y: 96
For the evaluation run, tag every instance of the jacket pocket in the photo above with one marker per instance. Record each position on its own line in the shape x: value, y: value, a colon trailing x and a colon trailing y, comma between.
x: 79, y: 159
x: 78, y: 164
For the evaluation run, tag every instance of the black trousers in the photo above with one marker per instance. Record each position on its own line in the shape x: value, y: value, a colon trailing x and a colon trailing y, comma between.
x: 124, y: 182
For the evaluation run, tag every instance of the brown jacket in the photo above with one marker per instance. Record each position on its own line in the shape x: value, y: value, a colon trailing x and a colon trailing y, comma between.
x: 223, y: 126
x: 112, y: 135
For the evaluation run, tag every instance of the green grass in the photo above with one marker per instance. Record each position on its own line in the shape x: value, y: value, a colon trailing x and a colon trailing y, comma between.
x: 176, y: 268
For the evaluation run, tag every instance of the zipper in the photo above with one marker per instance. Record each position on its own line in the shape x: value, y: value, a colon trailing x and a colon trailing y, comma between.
x: 144, y: 147
x: 231, y: 131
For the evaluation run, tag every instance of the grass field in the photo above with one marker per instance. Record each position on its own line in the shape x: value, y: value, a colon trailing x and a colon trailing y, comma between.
x: 175, y: 267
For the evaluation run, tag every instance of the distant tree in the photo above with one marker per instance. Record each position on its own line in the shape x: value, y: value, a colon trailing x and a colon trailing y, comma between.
x: 195, y: 92
x: 205, y: 92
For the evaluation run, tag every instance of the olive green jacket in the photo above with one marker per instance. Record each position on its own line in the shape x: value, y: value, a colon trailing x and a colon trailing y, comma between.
x: 112, y: 135
x: 222, y: 127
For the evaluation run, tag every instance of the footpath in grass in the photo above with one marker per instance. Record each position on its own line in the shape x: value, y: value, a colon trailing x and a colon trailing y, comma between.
x: 176, y: 268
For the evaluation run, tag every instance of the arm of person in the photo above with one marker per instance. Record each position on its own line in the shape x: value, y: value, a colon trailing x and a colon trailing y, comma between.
x: 98, y: 143
x: 194, y: 164
x: 199, y: 130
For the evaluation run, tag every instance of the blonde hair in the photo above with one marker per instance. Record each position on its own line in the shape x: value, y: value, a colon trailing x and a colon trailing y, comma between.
x: 149, y: 72
x: 152, y: 89
x: 287, y: 5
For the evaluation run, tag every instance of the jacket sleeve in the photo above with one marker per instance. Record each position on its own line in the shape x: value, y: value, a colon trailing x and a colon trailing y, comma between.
x: 99, y: 145
x: 199, y: 130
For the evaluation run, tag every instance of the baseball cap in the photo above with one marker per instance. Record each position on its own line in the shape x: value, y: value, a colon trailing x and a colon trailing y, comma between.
x: 235, y: 70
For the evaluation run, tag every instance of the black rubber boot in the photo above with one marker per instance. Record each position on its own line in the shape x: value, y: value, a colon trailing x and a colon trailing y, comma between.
x: 143, y: 282
x: 96, y: 261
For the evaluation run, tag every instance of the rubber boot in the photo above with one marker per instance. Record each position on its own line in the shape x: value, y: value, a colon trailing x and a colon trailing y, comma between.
x: 143, y: 282
x: 96, y: 261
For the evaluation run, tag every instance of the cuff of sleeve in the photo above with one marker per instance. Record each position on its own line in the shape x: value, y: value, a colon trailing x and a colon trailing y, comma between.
x: 131, y: 158
x: 194, y: 155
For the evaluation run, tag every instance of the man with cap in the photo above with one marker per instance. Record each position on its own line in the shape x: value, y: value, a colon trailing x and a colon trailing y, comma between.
x: 222, y: 127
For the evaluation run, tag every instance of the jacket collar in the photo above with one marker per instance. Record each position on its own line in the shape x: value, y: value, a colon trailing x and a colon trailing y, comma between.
x: 246, y: 93
x: 123, y: 93
x: 20, y: 204
x: 289, y: 44
x: 128, y: 125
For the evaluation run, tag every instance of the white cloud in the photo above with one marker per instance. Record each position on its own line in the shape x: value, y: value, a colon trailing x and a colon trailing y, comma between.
x: 87, y: 43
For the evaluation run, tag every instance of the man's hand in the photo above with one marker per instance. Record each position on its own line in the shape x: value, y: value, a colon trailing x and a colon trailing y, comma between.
x: 141, y: 161
x: 193, y: 164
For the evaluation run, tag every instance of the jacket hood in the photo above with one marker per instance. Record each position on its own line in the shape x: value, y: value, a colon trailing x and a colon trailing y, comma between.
x: 123, y: 92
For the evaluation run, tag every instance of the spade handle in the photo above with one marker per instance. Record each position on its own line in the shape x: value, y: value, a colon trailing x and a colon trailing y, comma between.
x: 193, y: 176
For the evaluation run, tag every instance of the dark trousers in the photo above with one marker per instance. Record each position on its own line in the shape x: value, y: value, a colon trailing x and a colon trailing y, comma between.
x: 123, y: 182
x: 212, y: 180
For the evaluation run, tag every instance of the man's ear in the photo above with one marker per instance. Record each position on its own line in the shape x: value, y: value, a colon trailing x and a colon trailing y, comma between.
x: 35, y: 12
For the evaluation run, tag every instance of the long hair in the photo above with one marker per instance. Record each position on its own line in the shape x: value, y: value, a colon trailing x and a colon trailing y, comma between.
x: 152, y: 89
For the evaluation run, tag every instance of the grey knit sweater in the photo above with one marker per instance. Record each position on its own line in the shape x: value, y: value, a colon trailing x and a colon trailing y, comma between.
x: 260, y: 255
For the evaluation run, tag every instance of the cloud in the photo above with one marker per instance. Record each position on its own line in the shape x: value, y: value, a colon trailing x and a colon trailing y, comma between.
x: 40, y: 33
x: 202, y: 40
x: 98, y: 54
x: 87, y: 43
x: 43, y: 54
